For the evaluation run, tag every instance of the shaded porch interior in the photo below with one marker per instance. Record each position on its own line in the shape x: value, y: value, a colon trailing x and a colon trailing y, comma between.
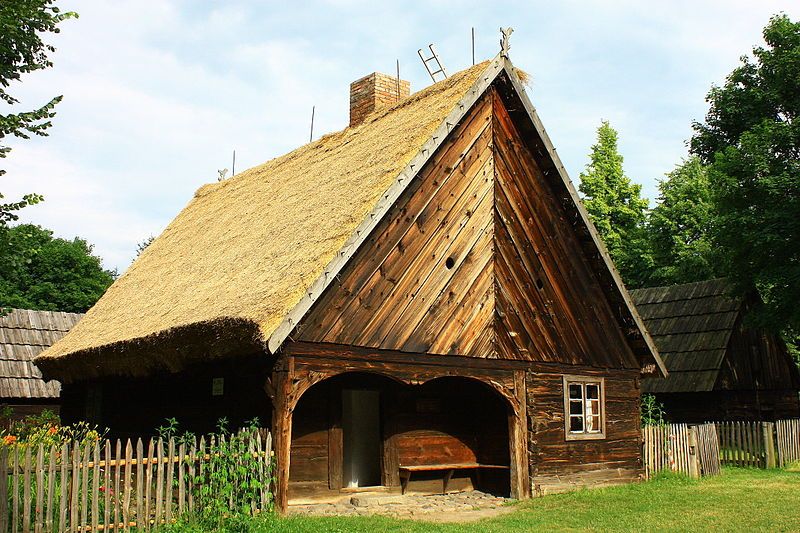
x: 356, y: 431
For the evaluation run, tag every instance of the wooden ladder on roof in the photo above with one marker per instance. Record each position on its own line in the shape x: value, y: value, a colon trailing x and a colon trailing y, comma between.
x: 433, y: 71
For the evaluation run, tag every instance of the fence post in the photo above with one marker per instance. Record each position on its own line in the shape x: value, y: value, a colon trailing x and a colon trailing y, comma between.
x: 767, y: 429
x: 694, y: 457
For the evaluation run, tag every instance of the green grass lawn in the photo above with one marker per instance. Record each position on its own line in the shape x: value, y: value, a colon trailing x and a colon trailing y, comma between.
x: 738, y: 500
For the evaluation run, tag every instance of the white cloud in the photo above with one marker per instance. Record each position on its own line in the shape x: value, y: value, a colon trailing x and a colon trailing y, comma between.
x: 158, y: 93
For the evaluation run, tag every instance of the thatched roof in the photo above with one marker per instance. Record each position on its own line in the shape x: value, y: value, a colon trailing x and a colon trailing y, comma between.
x: 243, y: 263
x: 245, y: 250
x: 691, y: 325
x: 23, y: 336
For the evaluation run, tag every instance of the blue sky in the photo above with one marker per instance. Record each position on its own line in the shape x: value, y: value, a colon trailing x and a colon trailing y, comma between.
x: 157, y: 94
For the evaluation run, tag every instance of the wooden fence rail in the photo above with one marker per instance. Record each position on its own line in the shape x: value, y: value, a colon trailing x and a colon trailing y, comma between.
x: 112, y: 486
x: 691, y: 449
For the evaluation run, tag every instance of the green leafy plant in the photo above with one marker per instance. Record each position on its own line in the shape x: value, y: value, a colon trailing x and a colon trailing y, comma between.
x: 652, y: 411
x: 231, y: 480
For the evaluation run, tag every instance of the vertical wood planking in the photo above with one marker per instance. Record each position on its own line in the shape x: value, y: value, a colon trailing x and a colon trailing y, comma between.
x: 39, y: 505
x: 84, y: 499
x: 107, y: 486
x: 148, y: 485
x: 15, y: 489
x: 75, y: 488
x: 26, y: 492
x: 117, y: 476
x: 4, y: 490
x: 141, y: 522
x: 126, y: 499
x: 181, y: 479
x: 168, y: 488
x: 159, y: 481
x: 96, y: 486
x: 190, y: 477
x: 62, y: 509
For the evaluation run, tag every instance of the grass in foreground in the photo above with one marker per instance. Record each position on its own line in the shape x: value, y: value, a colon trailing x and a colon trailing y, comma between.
x: 738, y: 500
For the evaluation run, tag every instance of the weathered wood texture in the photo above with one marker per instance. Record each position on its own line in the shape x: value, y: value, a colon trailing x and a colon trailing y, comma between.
x: 475, y: 259
x: 187, y: 395
x: 549, y: 304
x: 719, y: 368
x: 749, y: 444
x: 692, y: 450
x: 728, y: 405
x: 423, y: 280
x: 434, y: 410
x: 59, y: 488
x: 787, y: 442
x: 557, y: 464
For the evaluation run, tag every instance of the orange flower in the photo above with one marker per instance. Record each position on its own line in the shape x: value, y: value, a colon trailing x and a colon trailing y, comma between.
x: 52, y: 431
x: 9, y: 439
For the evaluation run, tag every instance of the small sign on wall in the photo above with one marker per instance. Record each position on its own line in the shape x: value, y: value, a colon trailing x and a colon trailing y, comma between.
x: 217, y: 386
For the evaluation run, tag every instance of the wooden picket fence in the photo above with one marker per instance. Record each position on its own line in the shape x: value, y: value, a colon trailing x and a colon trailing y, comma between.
x: 747, y: 444
x: 105, y: 486
x: 691, y: 449
x: 787, y: 440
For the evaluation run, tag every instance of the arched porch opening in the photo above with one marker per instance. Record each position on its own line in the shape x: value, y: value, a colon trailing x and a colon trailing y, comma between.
x: 359, y: 430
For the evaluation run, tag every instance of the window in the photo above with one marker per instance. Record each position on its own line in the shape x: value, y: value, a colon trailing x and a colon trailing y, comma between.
x: 584, y: 416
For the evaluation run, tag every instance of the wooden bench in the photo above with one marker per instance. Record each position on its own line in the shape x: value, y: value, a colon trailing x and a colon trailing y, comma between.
x: 448, y: 469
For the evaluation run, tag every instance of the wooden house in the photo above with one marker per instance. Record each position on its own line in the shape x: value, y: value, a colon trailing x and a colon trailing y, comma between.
x: 417, y: 299
x: 23, y: 335
x: 719, y: 368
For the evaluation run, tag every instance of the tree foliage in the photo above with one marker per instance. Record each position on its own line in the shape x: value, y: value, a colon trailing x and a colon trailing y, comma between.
x: 751, y: 140
x: 38, y: 271
x: 616, y: 208
x: 22, y: 51
x: 679, y: 227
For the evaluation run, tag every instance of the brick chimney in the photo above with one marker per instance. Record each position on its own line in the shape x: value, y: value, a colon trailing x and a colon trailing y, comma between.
x: 373, y: 92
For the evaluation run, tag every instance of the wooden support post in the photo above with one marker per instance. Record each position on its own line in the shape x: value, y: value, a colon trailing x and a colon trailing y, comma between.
x: 282, y: 433
x: 518, y: 440
x: 767, y: 430
x: 335, y: 439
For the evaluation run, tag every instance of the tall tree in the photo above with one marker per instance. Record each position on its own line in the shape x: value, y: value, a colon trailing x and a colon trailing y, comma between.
x: 616, y: 207
x: 679, y: 227
x: 751, y: 140
x: 38, y: 271
x: 22, y: 50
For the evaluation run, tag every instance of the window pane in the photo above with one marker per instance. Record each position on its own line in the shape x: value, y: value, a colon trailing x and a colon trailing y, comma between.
x: 592, y: 407
x: 592, y: 391
x: 576, y: 424
x: 593, y: 424
x: 575, y: 391
x: 575, y: 407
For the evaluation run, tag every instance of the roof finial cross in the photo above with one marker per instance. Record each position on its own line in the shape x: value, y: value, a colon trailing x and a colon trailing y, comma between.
x: 505, y: 46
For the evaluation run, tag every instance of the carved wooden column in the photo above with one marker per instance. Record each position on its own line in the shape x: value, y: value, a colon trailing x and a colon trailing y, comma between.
x: 518, y: 439
x: 282, y: 430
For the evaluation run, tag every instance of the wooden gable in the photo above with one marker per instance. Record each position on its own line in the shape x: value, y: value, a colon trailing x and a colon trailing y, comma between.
x: 476, y: 258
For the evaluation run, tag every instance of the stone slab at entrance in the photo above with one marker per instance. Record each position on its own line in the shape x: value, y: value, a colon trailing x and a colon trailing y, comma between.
x: 455, y: 507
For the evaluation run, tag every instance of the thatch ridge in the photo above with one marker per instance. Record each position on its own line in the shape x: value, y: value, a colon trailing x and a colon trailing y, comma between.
x: 245, y: 249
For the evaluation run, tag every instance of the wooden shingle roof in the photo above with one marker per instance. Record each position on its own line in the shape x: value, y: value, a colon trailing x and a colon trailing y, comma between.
x: 691, y: 325
x: 23, y: 335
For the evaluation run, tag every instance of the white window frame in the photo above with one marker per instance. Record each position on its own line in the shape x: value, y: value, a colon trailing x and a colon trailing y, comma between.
x: 583, y: 381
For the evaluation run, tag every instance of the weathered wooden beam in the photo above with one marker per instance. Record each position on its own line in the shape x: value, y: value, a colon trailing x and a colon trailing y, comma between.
x: 518, y: 440
x: 282, y: 434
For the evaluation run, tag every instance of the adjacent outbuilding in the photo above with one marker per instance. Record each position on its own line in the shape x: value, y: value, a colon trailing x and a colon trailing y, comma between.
x: 720, y: 368
x: 24, y: 334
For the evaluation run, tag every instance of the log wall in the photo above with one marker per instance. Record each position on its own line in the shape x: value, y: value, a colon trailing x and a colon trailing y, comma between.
x: 558, y: 465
